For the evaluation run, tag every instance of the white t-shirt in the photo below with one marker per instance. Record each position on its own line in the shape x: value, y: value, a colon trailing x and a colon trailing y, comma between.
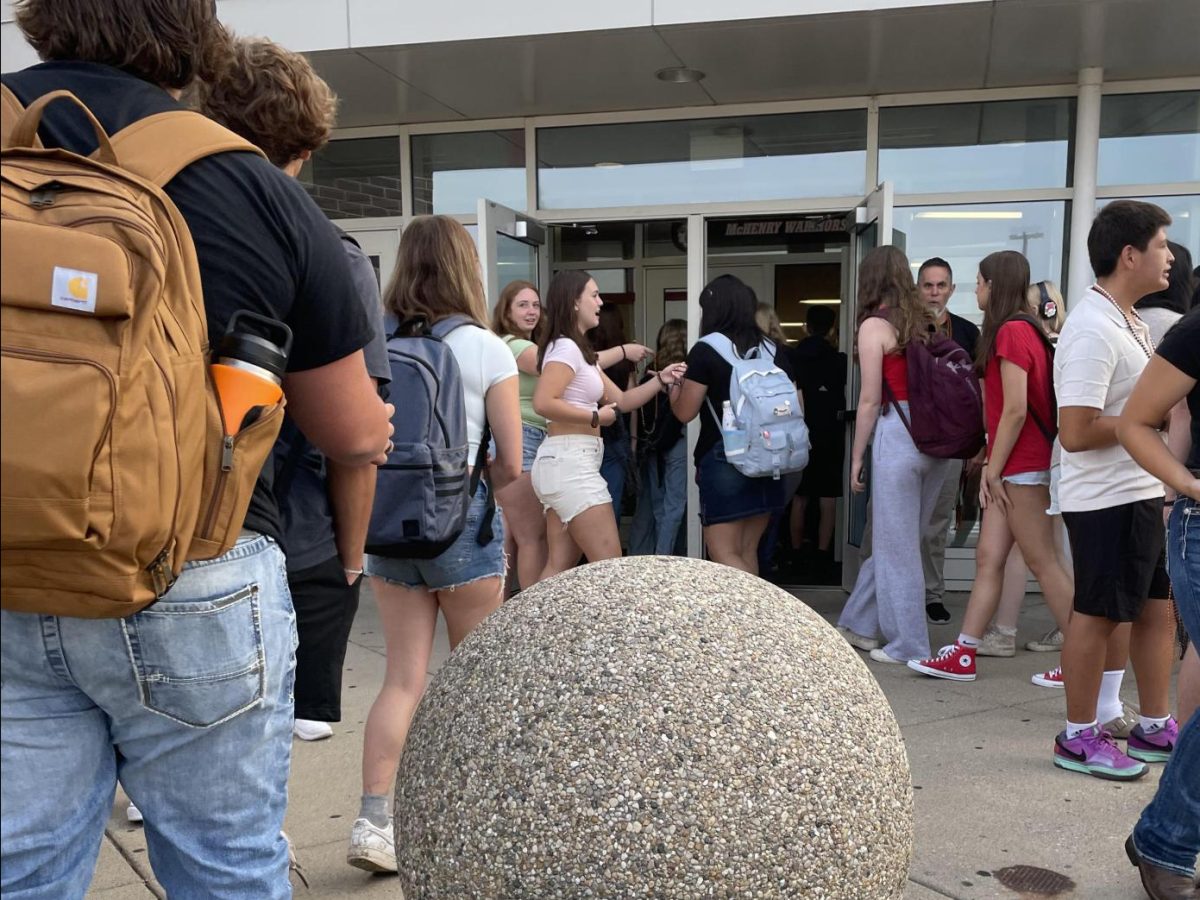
x: 1096, y: 364
x: 586, y: 389
x: 484, y: 360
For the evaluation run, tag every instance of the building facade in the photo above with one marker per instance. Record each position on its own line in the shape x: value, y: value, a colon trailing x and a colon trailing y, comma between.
x: 659, y: 143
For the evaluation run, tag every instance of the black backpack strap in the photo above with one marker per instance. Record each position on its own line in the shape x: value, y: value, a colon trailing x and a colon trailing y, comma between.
x: 1049, y: 433
x: 485, y: 535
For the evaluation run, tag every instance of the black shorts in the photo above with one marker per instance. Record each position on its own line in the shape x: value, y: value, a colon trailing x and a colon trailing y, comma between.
x: 1115, y: 552
x: 1160, y: 584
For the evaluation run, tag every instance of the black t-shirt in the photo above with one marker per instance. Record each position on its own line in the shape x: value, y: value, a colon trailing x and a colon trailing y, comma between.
x: 964, y: 333
x: 261, y: 242
x: 658, y: 429
x: 705, y: 366
x: 1181, y: 348
x: 821, y: 376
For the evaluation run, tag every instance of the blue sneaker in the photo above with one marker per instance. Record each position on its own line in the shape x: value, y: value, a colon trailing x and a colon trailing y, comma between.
x: 1094, y: 752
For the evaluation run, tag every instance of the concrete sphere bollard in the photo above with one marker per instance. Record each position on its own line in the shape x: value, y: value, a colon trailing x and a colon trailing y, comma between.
x: 655, y: 727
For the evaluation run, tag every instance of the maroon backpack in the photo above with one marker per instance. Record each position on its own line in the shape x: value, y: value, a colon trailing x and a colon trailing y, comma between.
x: 945, y: 403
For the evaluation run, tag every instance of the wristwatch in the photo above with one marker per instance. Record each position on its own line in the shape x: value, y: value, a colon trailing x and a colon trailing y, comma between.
x: 595, y: 418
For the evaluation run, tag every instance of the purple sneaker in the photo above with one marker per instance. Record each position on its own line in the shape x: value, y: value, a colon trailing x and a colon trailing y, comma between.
x: 1156, y: 747
x: 1094, y: 752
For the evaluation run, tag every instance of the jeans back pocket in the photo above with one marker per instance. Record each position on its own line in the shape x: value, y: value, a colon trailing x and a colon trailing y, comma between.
x: 199, y: 662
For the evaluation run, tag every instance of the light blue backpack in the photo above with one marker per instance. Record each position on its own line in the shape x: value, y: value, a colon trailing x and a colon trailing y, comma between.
x: 769, y: 435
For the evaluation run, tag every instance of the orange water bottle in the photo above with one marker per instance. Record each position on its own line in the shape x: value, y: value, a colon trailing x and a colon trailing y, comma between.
x: 249, y: 367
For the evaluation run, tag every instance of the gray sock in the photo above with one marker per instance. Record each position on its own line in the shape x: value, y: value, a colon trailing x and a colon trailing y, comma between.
x: 375, y: 809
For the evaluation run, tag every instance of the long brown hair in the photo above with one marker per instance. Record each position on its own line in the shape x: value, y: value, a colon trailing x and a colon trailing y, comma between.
x: 502, y: 320
x: 671, y: 344
x: 437, y: 273
x: 561, y: 317
x: 885, y: 282
x: 1007, y: 275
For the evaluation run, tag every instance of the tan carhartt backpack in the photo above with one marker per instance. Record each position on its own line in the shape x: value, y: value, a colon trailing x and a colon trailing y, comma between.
x: 116, y: 465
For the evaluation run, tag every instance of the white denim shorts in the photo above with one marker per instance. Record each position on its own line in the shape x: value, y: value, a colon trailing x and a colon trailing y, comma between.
x: 1055, y: 478
x: 1031, y: 478
x: 566, y: 474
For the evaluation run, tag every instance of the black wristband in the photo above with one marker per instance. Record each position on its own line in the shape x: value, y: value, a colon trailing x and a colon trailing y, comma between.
x: 595, y: 418
x: 624, y: 355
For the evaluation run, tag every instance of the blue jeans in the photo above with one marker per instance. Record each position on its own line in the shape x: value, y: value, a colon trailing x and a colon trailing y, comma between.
x: 613, y: 469
x: 187, y: 703
x: 661, y: 503
x: 1168, y: 834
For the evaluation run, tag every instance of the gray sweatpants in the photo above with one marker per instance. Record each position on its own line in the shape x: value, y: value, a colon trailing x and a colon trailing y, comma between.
x: 937, y: 533
x: 889, y: 597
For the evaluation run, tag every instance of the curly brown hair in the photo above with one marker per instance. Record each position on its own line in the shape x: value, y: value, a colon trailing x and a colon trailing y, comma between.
x: 885, y: 284
x: 437, y: 273
x: 166, y: 43
x: 272, y: 98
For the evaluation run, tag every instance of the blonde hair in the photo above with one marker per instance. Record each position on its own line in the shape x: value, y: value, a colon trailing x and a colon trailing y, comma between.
x: 768, y: 322
x: 672, y: 344
x: 272, y: 98
x: 437, y: 273
x: 1034, y: 295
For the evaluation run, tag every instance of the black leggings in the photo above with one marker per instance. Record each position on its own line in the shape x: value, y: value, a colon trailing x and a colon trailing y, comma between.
x: 325, y: 609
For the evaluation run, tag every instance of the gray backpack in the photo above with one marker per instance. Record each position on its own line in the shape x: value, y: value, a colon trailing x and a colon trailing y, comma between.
x: 768, y: 435
x: 423, y: 490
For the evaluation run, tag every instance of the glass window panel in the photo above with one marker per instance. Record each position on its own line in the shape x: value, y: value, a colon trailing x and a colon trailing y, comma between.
x: 667, y: 237
x: 355, y: 179
x: 596, y: 242
x: 1149, y: 138
x: 1185, y: 220
x: 976, y: 146
x: 746, y: 158
x: 452, y: 171
x: 515, y: 260
x: 963, y: 235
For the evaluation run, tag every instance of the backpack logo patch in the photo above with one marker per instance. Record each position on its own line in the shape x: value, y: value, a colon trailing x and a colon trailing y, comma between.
x: 74, y: 290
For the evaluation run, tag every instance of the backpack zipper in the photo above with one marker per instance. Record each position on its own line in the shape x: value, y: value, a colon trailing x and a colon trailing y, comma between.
x: 47, y: 356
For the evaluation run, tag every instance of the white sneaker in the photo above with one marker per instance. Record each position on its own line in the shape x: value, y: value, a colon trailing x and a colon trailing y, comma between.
x: 133, y: 814
x: 1050, y: 642
x: 308, y: 730
x: 879, y: 656
x: 854, y: 639
x: 371, y: 848
x: 998, y: 641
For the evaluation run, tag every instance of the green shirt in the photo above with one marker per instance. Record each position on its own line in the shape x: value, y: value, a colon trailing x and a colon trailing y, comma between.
x: 527, y: 383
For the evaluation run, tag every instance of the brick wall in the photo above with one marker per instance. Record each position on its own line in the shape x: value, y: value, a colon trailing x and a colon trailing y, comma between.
x: 358, y: 198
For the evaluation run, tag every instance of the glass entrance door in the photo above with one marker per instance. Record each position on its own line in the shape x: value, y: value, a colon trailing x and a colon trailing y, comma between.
x: 512, y: 247
x: 870, y: 226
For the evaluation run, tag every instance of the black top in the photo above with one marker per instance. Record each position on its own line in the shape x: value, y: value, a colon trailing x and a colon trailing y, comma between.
x: 1181, y: 348
x: 658, y: 429
x: 300, y: 472
x: 964, y: 333
x: 261, y: 242
x: 705, y: 366
x: 821, y: 376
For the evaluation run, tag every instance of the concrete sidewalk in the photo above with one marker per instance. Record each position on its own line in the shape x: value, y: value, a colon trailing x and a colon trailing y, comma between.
x: 987, y: 796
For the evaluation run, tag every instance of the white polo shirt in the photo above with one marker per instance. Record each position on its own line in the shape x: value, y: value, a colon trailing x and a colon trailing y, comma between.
x: 1096, y: 364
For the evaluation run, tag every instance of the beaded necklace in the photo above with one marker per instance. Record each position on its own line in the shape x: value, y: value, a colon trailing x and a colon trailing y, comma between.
x: 1148, y: 349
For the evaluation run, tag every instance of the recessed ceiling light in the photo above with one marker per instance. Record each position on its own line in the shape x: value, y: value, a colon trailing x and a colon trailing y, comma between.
x: 679, y: 75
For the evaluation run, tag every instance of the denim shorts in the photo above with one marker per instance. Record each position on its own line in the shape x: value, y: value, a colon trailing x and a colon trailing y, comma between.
x: 726, y: 495
x: 461, y: 563
x: 1028, y: 478
x: 531, y: 439
x: 566, y: 475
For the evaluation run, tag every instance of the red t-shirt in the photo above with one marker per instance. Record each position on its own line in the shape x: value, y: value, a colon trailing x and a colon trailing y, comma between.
x: 1019, y: 344
x: 895, y: 375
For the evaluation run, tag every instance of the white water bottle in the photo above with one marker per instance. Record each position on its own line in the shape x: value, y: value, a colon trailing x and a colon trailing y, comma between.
x: 733, y: 438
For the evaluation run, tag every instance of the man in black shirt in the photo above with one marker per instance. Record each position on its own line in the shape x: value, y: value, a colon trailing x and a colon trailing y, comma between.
x: 187, y: 703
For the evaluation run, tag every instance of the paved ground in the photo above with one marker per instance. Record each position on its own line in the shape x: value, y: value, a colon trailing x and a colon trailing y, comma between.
x: 987, y: 796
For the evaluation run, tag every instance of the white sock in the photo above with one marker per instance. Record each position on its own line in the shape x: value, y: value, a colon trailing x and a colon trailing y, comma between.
x: 1108, y: 705
x: 1074, y: 729
x: 1151, y: 725
x: 965, y: 640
